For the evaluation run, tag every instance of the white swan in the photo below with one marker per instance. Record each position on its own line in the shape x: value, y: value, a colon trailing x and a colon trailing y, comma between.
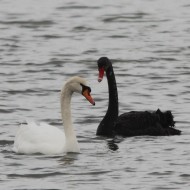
x: 46, y: 139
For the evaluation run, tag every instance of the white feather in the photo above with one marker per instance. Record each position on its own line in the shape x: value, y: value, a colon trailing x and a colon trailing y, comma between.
x: 46, y: 139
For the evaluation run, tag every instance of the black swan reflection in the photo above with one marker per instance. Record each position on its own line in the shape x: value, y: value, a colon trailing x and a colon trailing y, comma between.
x: 134, y: 123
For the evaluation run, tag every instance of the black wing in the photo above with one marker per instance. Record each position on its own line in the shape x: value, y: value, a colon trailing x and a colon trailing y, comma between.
x: 136, y: 123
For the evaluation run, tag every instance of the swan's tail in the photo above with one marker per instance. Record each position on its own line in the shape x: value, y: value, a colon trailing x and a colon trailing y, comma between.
x: 138, y: 123
x: 166, y: 118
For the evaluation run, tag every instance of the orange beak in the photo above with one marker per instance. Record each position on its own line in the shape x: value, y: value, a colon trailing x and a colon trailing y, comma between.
x: 87, y: 95
x: 101, y: 74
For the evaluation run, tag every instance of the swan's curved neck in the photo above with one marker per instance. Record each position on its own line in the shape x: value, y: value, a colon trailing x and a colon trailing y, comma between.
x: 113, y: 95
x: 107, y: 124
x: 71, y: 140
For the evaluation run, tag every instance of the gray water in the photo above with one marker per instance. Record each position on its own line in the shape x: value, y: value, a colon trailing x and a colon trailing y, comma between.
x: 44, y: 42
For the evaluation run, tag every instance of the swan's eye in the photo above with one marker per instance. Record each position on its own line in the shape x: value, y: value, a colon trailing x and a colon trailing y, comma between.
x: 89, y: 89
x: 101, y: 66
x: 85, y: 88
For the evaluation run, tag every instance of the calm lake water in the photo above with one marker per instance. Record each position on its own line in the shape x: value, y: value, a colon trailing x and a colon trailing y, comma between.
x: 44, y: 42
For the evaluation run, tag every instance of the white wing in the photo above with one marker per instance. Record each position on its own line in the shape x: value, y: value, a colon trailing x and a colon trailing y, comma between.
x: 43, y: 138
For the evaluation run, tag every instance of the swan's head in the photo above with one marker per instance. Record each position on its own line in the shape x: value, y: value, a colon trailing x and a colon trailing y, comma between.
x: 103, y: 64
x: 78, y: 84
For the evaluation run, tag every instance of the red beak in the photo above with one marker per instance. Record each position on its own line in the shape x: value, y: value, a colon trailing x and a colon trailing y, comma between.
x: 87, y: 95
x: 101, y: 74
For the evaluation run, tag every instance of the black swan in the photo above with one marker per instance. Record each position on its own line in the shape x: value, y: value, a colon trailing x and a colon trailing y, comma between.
x: 134, y: 123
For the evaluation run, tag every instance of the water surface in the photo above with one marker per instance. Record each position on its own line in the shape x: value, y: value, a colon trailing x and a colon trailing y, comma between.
x: 43, y: 43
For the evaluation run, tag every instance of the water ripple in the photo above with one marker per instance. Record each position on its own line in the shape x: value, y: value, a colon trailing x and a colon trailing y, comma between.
x: 43, y: 43
x: 29, y: 23
x: 44, y: 175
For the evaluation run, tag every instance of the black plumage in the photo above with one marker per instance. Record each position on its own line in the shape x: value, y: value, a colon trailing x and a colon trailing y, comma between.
x: 137, y: 123
x: 134, y: 123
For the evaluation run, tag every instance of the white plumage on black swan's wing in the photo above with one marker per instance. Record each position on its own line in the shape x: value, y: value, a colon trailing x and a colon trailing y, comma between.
x: 46, y: 139
x: 133, y: 123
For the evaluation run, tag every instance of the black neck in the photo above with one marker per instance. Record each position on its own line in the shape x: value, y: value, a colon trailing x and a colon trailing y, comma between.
x: 113, y: 96
x: 107, y: 124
